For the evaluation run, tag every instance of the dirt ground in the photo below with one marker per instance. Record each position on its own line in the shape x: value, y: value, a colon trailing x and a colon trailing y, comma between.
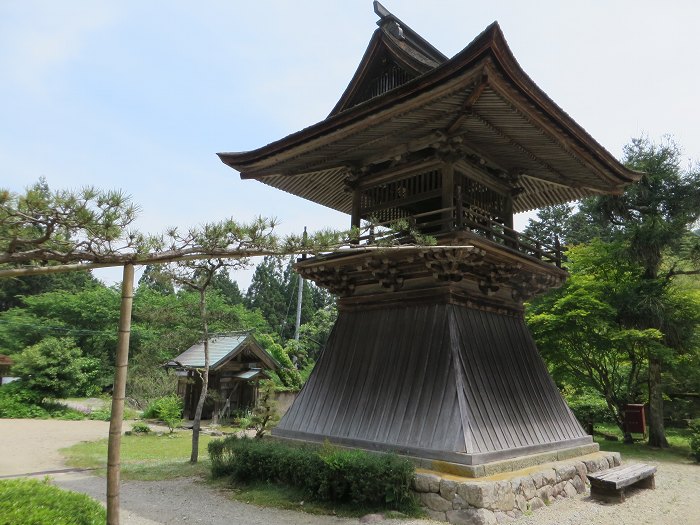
x: 30, y: 447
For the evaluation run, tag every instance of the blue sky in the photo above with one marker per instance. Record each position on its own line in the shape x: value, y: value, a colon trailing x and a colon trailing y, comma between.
x: 141, y: 95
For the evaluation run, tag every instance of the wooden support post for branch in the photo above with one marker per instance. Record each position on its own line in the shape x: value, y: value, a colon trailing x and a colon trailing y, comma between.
x: 118, y: 395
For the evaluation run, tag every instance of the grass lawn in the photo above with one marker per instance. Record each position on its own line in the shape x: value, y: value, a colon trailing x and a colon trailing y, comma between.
x: 678, y: 452
x: 291, y: 498
x: 145, y: 457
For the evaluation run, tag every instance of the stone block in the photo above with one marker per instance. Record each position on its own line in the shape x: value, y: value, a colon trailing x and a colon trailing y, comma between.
x: 565, y: 472
x: 435, y: 502
x: 545, y: 493
x: 538, y: 479
x: 516, y: 485
x: 459, y: 503
x: 521, y: 503
x: 617, y: 459
x: 423, y: 482
x: 570, y: 489
x: 502, y: 518
x: 581, y: 469
x: 579, y: 484
x: 471, y: 517
x: 528, y: 488
x: 448, y: 488
x: 478, y: 494
x: 591, y: 465
x: 435, y: 515
x: 505, y: 498
x: 550, y: 476
x: 536, y: 503
x: 558, y: 488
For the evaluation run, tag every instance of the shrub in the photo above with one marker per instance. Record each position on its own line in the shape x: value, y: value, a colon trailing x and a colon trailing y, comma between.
x: 265, y: 414
x: 29, y: 501
x: 140, y: 428
x: 101, y: 414
x: 588, y: 407
x: 326, y: 474
x: 56, y: 368
x: 17, y: 401
x: 168, y: 409
x: 695, y: 439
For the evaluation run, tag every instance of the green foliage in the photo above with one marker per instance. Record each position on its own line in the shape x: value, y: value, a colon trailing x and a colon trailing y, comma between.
x: 140, y: 428
x: 588, y: 406
x: 168, y: 409
x: 65, y: 226
x: 265, y: 414
x: 314, y: 335
x: 32, y: 502
x: 326, y: 474
x: 695, y: 439
x: 287, y: 374
x: 18, y: 402
x: 56, y: 368
x: 578, y: 329
x: 13, y: 289
x: 101, y: 414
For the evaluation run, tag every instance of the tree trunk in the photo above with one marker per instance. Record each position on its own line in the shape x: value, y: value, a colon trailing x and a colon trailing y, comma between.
x: 205, y: 378
x: 657, y: 433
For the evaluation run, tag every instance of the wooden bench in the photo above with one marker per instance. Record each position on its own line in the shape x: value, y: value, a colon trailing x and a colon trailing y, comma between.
x: 610, y: 485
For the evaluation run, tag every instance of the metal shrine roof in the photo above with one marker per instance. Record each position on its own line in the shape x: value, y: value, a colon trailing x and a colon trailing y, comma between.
x: 222, y: 348
x: 480, y: 98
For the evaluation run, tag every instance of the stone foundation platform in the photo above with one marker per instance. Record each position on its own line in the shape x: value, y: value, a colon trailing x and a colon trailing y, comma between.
x: 504, y: 497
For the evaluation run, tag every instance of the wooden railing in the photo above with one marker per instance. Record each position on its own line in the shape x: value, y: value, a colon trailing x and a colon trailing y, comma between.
x: 464, y: 218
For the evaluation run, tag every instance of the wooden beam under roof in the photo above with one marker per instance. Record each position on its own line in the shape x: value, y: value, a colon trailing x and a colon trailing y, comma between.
x: 554, y: 133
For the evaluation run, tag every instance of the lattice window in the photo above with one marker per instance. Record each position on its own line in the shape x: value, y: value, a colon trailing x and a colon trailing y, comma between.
x: 407, y: 190
x: 483, y: 199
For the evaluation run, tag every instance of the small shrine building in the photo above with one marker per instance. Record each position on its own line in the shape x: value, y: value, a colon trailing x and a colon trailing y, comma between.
x: 430, y: 356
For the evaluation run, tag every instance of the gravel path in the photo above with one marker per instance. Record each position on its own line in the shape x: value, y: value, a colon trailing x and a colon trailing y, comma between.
x: 31, y: 446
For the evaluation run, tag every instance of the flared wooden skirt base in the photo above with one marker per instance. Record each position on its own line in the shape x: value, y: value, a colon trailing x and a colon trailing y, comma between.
x: 440, y: 382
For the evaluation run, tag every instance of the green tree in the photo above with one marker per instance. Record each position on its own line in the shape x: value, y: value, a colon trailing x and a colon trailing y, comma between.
x: 56, y: 368
x: 655, y: 217
x: 154, y: 279
x: 12, y: 290
x: 578, y: 329
x: 651, y: 224
x: 267, y: 292
x: 227, y: 288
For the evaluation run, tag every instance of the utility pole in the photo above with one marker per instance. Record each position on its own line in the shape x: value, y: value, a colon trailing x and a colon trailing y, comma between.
x: 300, y: 294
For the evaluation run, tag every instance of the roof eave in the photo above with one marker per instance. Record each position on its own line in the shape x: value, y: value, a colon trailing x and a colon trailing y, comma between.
x: 491, y: 42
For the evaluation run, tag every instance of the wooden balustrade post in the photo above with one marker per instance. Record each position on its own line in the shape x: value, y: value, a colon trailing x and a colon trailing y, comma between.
x: 459, y: 207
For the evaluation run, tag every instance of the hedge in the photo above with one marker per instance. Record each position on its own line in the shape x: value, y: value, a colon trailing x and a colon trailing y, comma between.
x: 327, y: 474
x: 33, y: 502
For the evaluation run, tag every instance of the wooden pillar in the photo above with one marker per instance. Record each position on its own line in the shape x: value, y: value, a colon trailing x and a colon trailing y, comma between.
x: 118, y: 395
x: 356, y: 217
x: 448, y: 196
x: 508, y: 223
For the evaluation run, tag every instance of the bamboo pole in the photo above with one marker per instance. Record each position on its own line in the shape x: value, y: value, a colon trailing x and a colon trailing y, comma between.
x: 118, y: 395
